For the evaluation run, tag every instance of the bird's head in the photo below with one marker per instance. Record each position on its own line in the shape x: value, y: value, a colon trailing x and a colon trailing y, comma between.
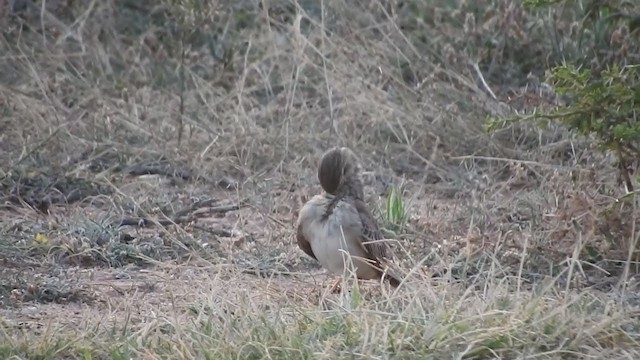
x: 338, y: 171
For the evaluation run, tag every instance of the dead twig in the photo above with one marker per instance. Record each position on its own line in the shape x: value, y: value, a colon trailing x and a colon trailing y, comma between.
x: 159, y: 169
x: 183, y: 216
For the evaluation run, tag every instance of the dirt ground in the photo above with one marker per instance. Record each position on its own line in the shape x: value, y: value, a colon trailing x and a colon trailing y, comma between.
x: 223, y: 248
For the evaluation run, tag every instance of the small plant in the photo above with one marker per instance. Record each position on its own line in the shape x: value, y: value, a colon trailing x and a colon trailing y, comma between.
x: 395, y: 211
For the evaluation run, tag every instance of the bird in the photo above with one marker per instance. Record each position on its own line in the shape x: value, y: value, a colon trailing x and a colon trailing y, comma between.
x: 338, y: 221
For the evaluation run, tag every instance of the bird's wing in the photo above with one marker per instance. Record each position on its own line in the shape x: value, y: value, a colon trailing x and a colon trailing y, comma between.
x: 372, y: 237
x: 375, y: 245
x: 303, y: 243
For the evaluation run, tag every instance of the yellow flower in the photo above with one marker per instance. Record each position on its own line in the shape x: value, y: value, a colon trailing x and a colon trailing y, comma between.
x: 41, y: 239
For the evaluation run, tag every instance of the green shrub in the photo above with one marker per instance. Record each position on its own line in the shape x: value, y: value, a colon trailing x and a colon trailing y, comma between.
x: 601, y: 81
x: 605, y: 106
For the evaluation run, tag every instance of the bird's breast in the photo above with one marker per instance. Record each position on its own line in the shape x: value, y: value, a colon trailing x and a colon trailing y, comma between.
x: 335, y: 237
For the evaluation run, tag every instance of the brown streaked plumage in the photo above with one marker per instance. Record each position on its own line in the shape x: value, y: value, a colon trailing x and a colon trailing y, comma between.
x: 339, y: 220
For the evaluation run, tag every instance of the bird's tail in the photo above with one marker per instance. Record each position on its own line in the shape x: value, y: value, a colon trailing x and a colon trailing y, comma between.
x: 391, y: 275
x: 394, y: 281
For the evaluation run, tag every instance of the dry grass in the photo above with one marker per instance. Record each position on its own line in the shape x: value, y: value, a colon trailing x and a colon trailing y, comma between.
x: 218, y: 313
x: 153, y: 158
